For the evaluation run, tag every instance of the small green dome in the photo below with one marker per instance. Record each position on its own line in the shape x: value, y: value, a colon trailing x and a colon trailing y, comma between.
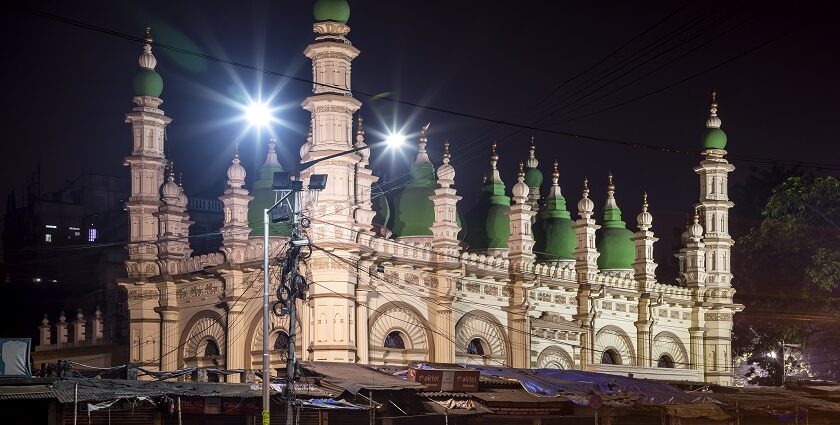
x: 614, y: 242
x: 331, y: 10
x: 414, y: 212
x: 381, y: 206
x: 714, y: 138
x: 147, y: 82
x: 533, y: 177
x: 488, y: 223
x: 263, y: 194
x: 554, y: 236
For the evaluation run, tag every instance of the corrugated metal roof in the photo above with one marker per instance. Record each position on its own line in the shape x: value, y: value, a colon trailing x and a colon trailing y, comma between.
x: 25, y: 392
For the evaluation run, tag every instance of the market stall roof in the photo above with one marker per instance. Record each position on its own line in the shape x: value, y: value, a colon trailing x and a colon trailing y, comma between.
x: 354, y: 377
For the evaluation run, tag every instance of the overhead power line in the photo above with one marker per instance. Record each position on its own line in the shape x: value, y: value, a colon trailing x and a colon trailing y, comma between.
x: 575, y: 136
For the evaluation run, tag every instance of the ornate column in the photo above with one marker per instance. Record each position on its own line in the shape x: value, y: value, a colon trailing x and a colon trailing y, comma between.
x: 586, y: 267
x: 144, y: 327
x: 521, y: 257
x: 236, y: 325
x: 169, y: 332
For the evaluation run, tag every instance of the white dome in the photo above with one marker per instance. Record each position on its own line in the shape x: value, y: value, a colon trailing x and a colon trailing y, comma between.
x: 520, y: 189
x: 645, y: 219
x: 446, y: 172
x: 147, y: 59
x: 236, y: 173
x: 170, y: 189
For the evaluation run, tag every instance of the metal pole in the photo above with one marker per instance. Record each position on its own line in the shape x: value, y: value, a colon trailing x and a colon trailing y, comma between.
x: 179, y: 411
x: 266, y: 380
x: 290, y: 357
x: 75, y: 403
x: 783, y: 362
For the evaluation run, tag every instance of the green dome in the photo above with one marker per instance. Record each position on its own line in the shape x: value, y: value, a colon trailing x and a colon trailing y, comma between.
x: 147, y: 82
x: 381, y: 206
x: 488, y: 223
x: 554, y: 236
x: 414, y: 212
x: 264, y: 197
x: 533, y: 177
x: 331, y: 10
x: 614, y: 242
x: 714, y: 138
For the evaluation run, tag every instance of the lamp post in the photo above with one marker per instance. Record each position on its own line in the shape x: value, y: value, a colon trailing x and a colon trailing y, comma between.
x: 282, y: 181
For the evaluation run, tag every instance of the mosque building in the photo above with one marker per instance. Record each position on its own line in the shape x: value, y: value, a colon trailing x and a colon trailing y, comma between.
x: 521, y: 279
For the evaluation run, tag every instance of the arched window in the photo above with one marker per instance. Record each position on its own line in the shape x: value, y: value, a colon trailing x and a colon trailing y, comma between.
x: 394, y: 340
x: 665, y: 361
x: 610, y: 357
x: 477, y: 347
x: 281, y: 342
x: 211, y: 349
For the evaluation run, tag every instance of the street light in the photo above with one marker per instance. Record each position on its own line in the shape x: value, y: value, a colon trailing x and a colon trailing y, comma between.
x: 258, y: 115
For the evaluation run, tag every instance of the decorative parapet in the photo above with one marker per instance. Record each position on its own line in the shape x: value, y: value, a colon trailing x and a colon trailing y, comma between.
x: 673, y: 292
x: 493, y: 289
x: 84, y: 332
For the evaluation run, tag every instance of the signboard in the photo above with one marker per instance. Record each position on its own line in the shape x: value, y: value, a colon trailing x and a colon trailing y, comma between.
x: 445, y: 379
x: 221, y: 405
x: 14, y: 357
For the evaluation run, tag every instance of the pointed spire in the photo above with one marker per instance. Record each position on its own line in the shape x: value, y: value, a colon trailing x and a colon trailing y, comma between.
x: 446, y: 172
x: 532, y: 159
x: 494, y: 157
x: 360, y: 131
x: 585, y: 205
x: 446, y: 155
x: 713, y: 121
x: 147, y: 59
x: 271, y: 155
x: 236, y: 172
x: 644, y: 219
x: 611, y: 204
x: 422, y: 155
x: 494, y: 176
x: 555, y: 174
x: 520, y: 189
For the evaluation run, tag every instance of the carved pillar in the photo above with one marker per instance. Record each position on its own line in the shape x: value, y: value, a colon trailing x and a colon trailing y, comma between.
x: 79, y: 328
x: 144, y: 328
x: 61, y: 329
x: 169, y: 334
x: 45, y: 332
x: 237, y: 346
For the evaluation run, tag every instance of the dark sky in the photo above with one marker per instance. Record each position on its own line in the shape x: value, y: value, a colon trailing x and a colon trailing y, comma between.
x: 67, y: 89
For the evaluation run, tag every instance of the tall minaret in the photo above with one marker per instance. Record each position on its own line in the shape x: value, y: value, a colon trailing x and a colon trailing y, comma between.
x: 716, y: 321
x: 714, y: 200
x: 146, y: 164
x: 334, y: 227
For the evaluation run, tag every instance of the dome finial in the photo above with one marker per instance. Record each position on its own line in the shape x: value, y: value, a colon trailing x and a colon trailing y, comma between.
x: 147, y: 59
x: 521, y: 174
x: 148, y: 38
x: 555, y: 174
x: 532, y: 159
x: 446, y: 155
x: 586, y: 187
x: 422, y: 155
x: 181, y: 179
x: 520, y: 189
x: 645, y: 218
x: 610, y: 204
x: 713, y: 121
x: 236, y: 150
x: 585, y: 205
x: 494, y: 157
x: 360, y: 131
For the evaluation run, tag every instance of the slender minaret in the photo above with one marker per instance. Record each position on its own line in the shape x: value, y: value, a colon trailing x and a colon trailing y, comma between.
x: 173, y: 236
x: 445, y: 227
x: 365, y: 179
x: 533, y: 176
x: 715, y: 323
x: 586, y: 254
x: 714, y: 200
x: 146, y: 164
x: 235, y: 229
x: 334, y: 226
x: 445, y: 245
x: 644, y: 268
x: 520, y: 241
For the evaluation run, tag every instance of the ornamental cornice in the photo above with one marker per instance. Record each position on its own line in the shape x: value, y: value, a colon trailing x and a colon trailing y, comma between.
x: 330, y: 28
x: 333, y: 55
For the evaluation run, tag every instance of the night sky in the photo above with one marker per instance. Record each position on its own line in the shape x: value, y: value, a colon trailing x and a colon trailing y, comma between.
x: 67, y: 89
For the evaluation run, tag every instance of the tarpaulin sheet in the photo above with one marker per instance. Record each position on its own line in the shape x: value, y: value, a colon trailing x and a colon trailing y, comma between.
x: 355, y: 377
x: 557, y: 382
x: 328, y: 403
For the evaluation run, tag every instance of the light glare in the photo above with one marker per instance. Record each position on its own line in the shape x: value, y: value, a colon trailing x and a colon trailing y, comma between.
x: 258, y: 114
x: 395, y: 140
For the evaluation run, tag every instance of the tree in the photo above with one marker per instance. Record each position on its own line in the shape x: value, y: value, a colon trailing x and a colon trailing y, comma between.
x: 787, y: 270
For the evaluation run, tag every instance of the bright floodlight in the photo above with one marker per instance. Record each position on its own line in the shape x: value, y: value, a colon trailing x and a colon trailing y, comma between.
x: 395, y: 140
x: 258, y: 114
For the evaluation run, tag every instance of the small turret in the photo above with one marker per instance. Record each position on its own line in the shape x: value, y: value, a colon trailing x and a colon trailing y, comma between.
x: 614, y: 243
x: 553, y: 231
x: 413, y: 211
x: 488, y: 223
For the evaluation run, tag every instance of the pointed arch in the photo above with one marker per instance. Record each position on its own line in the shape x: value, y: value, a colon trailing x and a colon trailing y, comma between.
x: 668, y: 344
x: 485, y: 327
x: 614, y: 340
